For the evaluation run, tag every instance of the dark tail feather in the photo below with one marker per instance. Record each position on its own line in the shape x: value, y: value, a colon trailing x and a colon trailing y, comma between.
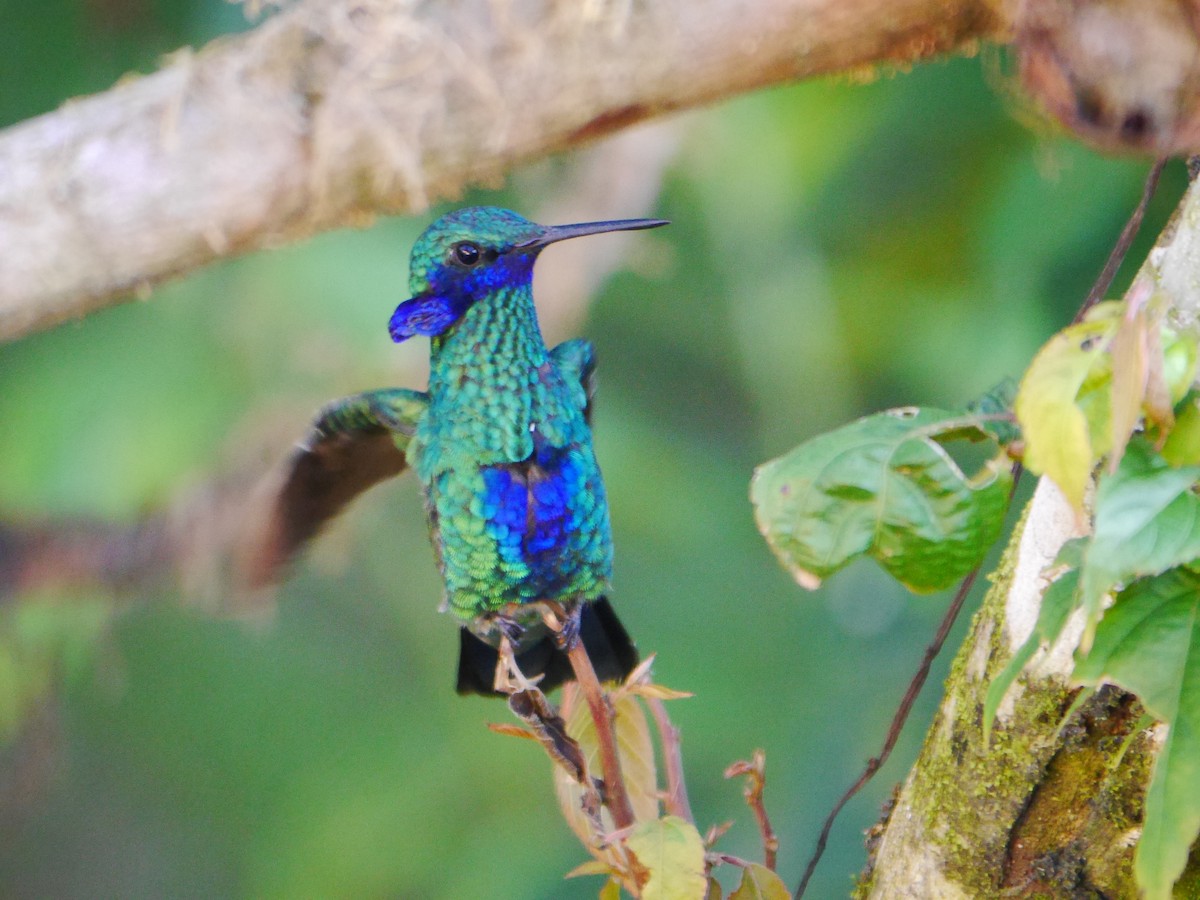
x: 607, y: 643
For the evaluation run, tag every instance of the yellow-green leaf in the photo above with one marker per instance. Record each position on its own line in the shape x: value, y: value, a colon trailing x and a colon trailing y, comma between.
x: 589, y: 867
x: 1182, y: 447
x: 672, y: 853
x: 1059, y: 438
x: 635, y: 748
x: 1179, y: 363
x: 760, y: 883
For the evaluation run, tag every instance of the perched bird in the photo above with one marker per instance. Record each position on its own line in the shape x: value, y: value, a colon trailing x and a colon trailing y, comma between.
x: 501, y: 443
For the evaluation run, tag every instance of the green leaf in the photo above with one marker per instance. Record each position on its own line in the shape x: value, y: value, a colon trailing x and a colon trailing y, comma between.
x: 760, y: 883
x: 1058, y: 602
x: 1147, y: 521
x: 611, y: 890
x: 1149, y: 643
x: 1182, y: 447
x: 1063, y: 404
x: 1179, y: 363
x: 998, y: 402
x: 672, y: 853
x: 883, y: 486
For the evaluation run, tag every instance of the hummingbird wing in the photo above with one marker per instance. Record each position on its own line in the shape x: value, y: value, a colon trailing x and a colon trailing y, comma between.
x: 576, y: 360
x: 354, y: 444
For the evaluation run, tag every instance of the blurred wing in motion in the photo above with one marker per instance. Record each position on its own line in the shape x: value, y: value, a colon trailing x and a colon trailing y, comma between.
x: 354, y: 444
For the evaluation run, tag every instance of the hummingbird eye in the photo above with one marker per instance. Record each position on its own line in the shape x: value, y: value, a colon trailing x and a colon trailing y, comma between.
x: 466, y: 253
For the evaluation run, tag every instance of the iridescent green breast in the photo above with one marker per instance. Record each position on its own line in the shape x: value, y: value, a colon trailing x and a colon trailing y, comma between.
x: 513, y: 493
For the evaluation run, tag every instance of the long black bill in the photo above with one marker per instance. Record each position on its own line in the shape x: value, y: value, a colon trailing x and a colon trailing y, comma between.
x: 552, y: 233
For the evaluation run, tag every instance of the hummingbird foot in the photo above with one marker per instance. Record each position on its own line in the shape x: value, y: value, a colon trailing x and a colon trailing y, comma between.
x: 509, y: 678
x: 564, y: 621
x: 510, y: 629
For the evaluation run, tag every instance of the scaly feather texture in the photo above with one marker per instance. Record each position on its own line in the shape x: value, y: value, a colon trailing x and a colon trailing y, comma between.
x: 501, y: 444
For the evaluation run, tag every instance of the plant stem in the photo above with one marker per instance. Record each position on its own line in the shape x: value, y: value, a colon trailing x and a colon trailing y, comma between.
x: 676, y: 799
x: 615, y: 796
x: 756, y: 775
x: 910, y: 696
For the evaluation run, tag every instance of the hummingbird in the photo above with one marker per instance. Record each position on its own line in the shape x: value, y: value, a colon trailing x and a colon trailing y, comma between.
x: 501, y: 442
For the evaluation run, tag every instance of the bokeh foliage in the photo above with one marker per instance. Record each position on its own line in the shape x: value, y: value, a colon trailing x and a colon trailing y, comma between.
x: 838, y: 248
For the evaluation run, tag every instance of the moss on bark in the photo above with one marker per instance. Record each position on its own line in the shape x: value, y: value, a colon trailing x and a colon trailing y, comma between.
x: 1047, y: 808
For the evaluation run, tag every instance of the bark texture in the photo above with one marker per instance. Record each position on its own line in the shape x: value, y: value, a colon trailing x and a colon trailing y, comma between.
x: 336, y: 110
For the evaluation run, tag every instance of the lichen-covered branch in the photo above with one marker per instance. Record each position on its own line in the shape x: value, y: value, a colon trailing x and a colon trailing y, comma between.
x: 335, y: 110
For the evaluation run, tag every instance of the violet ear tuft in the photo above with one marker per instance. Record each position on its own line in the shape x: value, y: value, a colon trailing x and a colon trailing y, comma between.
x: 428, y: 316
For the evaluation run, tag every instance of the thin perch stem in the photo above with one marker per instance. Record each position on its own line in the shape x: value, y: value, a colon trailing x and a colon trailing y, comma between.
x: 615, y: 796
x: 676, y: 799
x: 910, y: 697
x: 756, y: 781
x: 1117, y: 255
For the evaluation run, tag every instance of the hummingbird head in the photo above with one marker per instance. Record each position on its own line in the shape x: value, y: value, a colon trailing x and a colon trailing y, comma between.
x: 470, y: 253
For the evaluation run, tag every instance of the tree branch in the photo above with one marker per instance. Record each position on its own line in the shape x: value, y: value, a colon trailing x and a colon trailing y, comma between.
x: 336, y: 110
x: 979, y: 818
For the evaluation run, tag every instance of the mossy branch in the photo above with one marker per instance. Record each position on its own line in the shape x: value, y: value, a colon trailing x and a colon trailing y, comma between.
x: 1041, y: 807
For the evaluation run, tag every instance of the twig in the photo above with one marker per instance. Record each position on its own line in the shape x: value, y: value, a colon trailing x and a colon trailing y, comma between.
x: 1124, y: 240
x: 676, y: 799
x: 756, y: 780
x: 906, y: 704
x: 615, y: 796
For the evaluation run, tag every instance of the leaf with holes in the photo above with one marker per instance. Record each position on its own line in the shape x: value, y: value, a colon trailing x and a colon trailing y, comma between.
x: 1149, y: 643
x: 886, y: 487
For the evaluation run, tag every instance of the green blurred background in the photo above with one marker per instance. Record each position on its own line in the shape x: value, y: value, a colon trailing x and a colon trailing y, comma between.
x: 837, y: 248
